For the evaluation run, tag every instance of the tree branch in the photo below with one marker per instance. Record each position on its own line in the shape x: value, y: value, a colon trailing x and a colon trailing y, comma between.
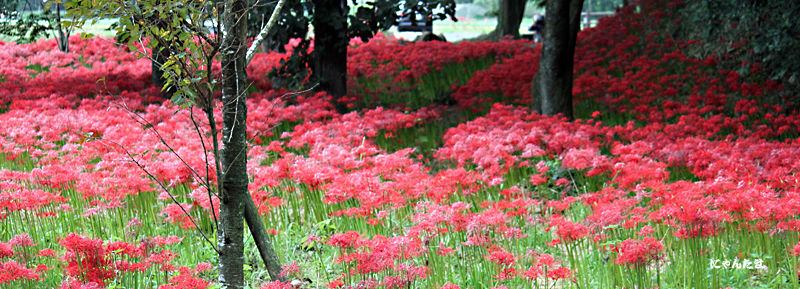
x: 208, y: 177
x: 251, y: 52
x: 163, y: 187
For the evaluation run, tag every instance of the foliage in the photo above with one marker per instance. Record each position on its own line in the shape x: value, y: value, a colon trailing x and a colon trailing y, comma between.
x: 293, y: 23
x: 24, y: 24
x: 363, y: 22
x: 748, y: 36
x: 178, y: 25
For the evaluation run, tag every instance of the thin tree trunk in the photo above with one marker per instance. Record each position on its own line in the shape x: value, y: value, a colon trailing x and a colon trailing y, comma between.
x: 262, y: 239
x: 330, y: 47
x: 63, y: 38
x: 234, y: 193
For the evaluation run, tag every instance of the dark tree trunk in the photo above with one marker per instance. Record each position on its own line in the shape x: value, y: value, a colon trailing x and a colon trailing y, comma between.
x: 575, y: 7
x: 330, y: 47
x: 256, y: 225
x: 508, y: 19
x: 552, y: 85
x: 233, y: 191
x: 63, y: 37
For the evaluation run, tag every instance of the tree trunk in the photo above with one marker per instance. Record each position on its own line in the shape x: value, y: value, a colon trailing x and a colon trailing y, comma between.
x: 575, y: 7
x: 552, y: 87
x: 330, y: 47
x: 261, y: 237
x: 63, y: 38
x: 509, y: 19
x: 233, y: 193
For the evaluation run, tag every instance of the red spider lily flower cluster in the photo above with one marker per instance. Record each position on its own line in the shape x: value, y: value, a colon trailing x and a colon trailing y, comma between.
x: 92, y: 263
x: 80, y: 149
x: 639, y: 253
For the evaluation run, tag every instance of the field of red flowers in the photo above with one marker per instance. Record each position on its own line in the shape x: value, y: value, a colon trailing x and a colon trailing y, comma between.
x: 674, y: 175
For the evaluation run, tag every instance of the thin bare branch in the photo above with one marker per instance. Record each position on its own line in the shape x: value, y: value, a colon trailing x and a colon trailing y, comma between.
x: 272, y: 108
x: 205, y: 156
x: 251, y: 52
x: 163, y: 187
x: 141, y: 120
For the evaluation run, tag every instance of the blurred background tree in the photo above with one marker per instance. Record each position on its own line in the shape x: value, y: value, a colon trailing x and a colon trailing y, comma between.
x: 743, y: 32
x: 26, y: 21
x: 335, y: 22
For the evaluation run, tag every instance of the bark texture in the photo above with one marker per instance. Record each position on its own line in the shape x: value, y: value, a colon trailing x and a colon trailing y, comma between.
x: 256, y: 225
x: 552, y: 85
x: 330, y: 46
x: 233, y: 192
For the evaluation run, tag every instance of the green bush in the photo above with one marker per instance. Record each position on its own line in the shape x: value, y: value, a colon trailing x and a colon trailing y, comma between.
x: 747, y: 32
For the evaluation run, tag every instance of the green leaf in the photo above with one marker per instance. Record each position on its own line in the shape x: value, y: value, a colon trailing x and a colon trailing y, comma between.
x: 154, y: 30
x: 183, y: 36
x: 190, y: 93
x: 168, y: 63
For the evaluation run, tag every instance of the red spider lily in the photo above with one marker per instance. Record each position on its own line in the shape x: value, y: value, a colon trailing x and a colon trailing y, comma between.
x: 689, y: 122
x: 500, y: 257
x: 12, y: 271
x: 559, y: 273
x: 568, y: 231
x: 47, y: 253
x: 449, y: 285
x: 344, y: 241
x: 86, y: 259
x: 176, y: 215
x: 639, y: 253
x: 76, y: 284
x: 6, y: 250
x: 280, y: 285
x: 185, y: 280
x: 796, y: 250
